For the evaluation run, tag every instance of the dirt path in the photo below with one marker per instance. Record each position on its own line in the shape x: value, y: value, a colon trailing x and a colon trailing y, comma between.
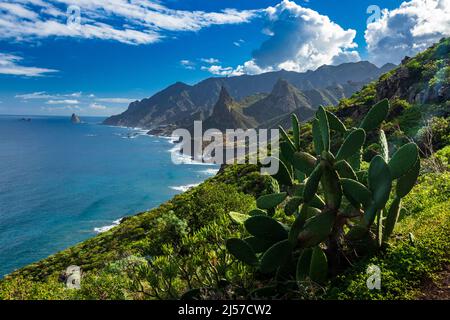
x: 439, y: 289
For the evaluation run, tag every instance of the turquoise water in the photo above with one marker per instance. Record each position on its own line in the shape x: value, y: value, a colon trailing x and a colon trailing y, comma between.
x: 62, y: 183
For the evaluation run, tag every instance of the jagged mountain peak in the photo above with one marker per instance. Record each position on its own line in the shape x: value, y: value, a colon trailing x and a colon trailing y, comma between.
x: 224, y: 103
x: 282, y: 88
x: 388, y: 66
x: 227, y: 114
x: 175, y: 88
x: 180, y: 85
x: 224, y: 97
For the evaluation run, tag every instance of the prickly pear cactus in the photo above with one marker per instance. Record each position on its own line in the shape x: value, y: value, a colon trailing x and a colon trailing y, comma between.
x: 333, y: 201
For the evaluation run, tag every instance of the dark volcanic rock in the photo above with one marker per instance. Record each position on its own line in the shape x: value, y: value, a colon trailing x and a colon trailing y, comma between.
x: 75, y: 119
x: 404, y: 84
x: 227, y: 115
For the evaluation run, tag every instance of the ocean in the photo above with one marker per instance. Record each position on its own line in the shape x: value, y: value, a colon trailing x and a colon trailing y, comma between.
x: 62, y: 183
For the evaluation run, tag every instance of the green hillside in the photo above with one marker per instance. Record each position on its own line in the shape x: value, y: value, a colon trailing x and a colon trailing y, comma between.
x: 180, y: 246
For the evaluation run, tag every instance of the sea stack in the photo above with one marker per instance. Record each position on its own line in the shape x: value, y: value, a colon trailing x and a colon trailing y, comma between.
x: 75, y: 118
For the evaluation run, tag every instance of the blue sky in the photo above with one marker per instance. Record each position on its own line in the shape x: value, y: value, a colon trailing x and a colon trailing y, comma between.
x: 121, y: 50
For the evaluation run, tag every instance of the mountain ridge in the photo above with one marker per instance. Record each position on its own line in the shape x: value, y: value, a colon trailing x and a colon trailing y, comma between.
x: 176, y: 103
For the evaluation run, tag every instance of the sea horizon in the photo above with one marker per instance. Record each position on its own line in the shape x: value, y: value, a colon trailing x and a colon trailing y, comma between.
x: 50, y: 115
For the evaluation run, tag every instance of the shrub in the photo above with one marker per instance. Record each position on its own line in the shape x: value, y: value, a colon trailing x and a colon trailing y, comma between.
x: 444, y: 157
x: 398, y: 106
x: 441, y: 132
x: 23, y: 288
x: 432, y: 188
x: 209, y: 201
x: 103, y: 285
x: 414, y: 67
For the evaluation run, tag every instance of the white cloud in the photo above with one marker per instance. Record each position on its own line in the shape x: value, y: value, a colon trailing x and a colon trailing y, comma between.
x: 11, y: 65
x: 346, y: 56
x: 89, y: 100
x: 64, y: 103
x: 17, y: 10
x: 131, y: 22
x: 239, y: 42
x: 115, y: 100
x: 67, y: 101
x: 210, y: 60
x: 34, y: 95
x: 302, y: 39
x: 407, y: 30
x: 48, y: 96
x: 76, y: 94
x: 62, y: 108
x: 299, y: 39
x: 250, y: 67
x: 219, y: 70
x: 187, y: 64
x: 97, y: 106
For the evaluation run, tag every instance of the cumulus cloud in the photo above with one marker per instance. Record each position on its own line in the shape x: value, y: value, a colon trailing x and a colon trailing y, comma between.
x: 407, y: 30
x: 131, y: 22
x: 250, y: 67
x: 299, y: 39
x: 346, y: 56
x: 220, y: 71
x: 12, y: 65
x: 302, y: 39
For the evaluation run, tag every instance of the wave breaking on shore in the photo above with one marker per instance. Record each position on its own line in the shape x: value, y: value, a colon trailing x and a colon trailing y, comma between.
x: 108, y: 227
